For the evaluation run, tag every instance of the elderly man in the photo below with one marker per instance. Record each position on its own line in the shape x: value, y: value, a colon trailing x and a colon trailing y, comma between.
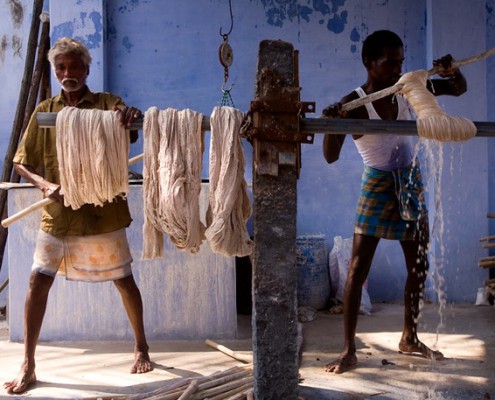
x: 69, y: 239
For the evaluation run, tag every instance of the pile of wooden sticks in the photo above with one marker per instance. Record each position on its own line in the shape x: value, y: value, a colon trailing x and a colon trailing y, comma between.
x: 232, y: 384
x: 236, y: 383
x: 490, y: 288
x: 489, y: 242
x: 488, y: 262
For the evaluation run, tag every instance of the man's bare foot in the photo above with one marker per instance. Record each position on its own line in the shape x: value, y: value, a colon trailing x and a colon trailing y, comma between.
x: 142, y: 363
x: 419, y: 347
x: 22, y: 382
x: 341, y: 364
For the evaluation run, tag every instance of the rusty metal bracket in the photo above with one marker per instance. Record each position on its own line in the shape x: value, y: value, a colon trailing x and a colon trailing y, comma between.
x: 278, y: 120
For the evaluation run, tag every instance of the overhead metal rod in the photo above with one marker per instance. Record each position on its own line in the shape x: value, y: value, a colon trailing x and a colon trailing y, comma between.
x: 323, y: 125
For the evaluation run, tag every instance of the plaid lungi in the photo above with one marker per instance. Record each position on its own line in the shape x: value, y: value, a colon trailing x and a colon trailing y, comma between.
x: 391, y: 203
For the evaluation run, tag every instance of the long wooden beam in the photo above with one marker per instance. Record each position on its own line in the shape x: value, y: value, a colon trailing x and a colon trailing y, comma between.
x: 324, y: 125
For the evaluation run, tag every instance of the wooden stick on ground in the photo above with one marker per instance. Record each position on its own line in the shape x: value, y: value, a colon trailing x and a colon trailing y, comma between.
x: 226, y: 387
x: 213, y: 380
x: 395, y: 88
x: 237, y: 356
x: 191, y: 389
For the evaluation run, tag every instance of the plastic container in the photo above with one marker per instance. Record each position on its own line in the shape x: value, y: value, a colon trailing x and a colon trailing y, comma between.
x: 313, y: 279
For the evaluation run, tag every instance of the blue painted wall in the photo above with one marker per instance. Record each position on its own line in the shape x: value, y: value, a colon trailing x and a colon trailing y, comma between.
x: 165, y: 54
x: 490, y: 84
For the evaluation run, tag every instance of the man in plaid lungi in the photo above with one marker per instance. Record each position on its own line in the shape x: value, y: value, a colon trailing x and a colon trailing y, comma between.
x: 391, y: 204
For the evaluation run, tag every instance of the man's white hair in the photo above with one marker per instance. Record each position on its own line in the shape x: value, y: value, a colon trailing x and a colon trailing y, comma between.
x: 67, y: 45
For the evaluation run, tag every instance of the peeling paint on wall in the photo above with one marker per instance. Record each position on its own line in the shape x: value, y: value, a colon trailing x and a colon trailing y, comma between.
x: 17, y: 11
x: 65, y: 29
x: 338, y: 22
x: 91, y: 23
x: 356, y: 38
x: 327, y: 12
x: 94, y: 40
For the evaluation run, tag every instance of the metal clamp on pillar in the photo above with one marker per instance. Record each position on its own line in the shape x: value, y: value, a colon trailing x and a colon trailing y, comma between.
x: 279, y: 120
x: 273, y: 122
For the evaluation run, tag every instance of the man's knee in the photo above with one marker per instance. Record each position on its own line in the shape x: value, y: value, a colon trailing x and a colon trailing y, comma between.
x: 40, y: 282
x: 126, y: 283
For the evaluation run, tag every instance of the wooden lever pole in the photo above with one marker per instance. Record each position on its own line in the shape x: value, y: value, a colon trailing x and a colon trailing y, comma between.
x: 394, y: 89
x: 28, y: 210
x: 44, y: 202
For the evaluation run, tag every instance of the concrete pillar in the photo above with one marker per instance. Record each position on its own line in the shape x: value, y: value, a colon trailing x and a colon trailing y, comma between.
x: 275, y: 173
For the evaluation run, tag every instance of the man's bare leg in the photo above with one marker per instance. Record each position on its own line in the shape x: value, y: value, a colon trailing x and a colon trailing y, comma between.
x: 363, y: 250
x: 416, y: 256
x: 34, y: 311
x: 133, y: 305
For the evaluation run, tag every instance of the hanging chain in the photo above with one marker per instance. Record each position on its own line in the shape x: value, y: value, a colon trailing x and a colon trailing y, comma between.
x: 226, y: 59
x: 231, y: 23
x: 227, y: 98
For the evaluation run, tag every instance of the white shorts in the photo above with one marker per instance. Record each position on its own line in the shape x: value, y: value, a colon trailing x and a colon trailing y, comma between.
x: 94, y: 258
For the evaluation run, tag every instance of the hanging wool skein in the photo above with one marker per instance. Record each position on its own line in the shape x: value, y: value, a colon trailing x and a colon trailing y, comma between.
x: 432, y: 122
x: 172, y: 180
x: 229, y: 202
x: 92, y: 152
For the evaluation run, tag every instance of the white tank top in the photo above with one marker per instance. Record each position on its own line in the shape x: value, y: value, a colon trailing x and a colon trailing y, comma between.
x: 385, y: 152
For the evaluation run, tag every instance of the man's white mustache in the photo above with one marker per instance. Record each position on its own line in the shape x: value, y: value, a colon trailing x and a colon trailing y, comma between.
x: 69, y: 80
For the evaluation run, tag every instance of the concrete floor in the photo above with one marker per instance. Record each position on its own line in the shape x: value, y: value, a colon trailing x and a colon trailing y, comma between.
x: 77, y: 370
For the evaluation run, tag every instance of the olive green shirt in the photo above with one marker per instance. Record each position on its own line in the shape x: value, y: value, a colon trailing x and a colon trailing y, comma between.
x: 38, y: 150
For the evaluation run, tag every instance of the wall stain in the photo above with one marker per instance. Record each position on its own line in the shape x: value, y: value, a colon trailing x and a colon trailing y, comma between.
x: 111, y: 29
x: 17, y: 46
x: 127, y: 43
x: 3, y: 47
x: 355, y: 38
x: 490, y: 15
x: 17, y: 11
x: 326, y: 12
x: 128, y: 6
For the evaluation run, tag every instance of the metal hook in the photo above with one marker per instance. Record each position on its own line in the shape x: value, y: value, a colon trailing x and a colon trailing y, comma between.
x: 226, y: 90
x: 225, y: 35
